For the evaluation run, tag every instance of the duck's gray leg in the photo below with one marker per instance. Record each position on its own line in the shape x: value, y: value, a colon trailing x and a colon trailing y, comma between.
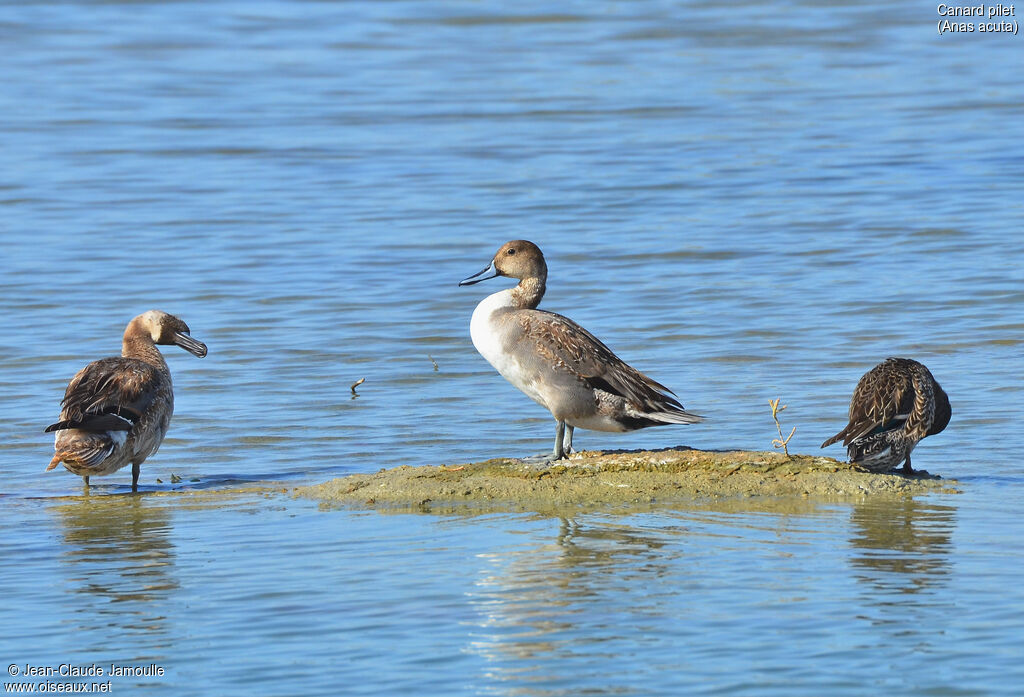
x: 559, y: 451
x: 86, y: 480
x: 907, y: 469
x: 136, y: 468
x: 567, y: 447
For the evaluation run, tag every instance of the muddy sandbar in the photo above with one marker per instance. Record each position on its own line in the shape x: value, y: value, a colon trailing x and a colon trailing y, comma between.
x: 619, y: 477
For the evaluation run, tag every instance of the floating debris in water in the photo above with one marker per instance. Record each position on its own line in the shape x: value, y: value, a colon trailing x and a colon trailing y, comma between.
x: 432, y: 361
x: 356, y: 384
x: 175, y: 478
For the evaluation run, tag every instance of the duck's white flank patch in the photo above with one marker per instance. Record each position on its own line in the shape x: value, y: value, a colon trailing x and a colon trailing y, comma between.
x: 879, y: 456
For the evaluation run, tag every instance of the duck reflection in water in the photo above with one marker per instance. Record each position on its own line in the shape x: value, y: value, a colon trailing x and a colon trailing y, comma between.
x: 904, y: 545
x: 537, y: 606
x: 119, y: 560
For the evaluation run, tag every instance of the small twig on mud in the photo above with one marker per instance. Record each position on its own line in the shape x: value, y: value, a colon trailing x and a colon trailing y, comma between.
x: 780, y: 442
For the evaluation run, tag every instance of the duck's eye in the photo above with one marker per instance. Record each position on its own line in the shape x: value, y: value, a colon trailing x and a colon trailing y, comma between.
x: 511, y: 251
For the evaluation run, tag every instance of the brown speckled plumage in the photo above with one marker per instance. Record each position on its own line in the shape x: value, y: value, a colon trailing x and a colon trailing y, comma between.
x: 894, y: 406
x: 116, y: 410
x: 570, y: 347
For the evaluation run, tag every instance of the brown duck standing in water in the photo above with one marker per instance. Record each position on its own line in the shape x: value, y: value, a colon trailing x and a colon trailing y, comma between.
x: 116, y: 410
x: 895, y: 405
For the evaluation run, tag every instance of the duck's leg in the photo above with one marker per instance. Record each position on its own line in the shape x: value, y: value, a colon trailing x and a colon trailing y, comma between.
x: 559, y: 451
x: 567, y: 447
x: 136, y: 468
x: 86, y: 480
x: 908, y: 471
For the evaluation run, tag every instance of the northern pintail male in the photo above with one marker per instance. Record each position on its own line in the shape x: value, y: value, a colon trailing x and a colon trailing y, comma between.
x: 116, y: 410
x: 558, y: 363
x: 894, y: 406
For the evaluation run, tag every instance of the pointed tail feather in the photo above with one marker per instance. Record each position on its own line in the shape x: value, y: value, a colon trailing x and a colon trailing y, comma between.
x: 680, y: 416
x: 833, y: 439
x: 850, y: 433
x: 54, y: 462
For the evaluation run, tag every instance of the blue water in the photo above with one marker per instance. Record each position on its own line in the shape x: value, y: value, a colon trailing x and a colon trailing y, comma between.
x: 746, y: 201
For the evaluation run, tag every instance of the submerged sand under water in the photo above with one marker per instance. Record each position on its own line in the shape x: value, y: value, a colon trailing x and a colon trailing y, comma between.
x: 612, y: 478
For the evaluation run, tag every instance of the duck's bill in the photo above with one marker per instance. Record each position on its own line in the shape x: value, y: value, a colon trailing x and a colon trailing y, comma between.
x: 193, y: 346
x: 489, y: 272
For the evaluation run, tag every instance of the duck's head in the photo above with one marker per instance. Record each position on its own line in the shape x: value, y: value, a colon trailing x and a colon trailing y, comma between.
x: 165, y: 328
x: 516, y: 259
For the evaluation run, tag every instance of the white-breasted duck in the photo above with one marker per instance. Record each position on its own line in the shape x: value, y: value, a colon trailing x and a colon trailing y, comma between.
x: 558, y: 363
x: 116, y: 410
x: 895, y: 405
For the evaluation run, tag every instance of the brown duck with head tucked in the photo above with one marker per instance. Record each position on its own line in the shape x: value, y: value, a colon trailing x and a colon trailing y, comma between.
x: 895, y: 405
x: 116, y: 410
x: 558, y: 363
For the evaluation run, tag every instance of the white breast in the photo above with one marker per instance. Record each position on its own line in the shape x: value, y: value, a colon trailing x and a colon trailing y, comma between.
x: 487, y: 338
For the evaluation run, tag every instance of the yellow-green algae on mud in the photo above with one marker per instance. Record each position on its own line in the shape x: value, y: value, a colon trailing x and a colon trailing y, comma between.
x: 591, y: 477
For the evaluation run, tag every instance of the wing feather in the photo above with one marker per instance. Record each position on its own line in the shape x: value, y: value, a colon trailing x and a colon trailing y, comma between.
x: 108, y: 392
x: 571, y: 347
